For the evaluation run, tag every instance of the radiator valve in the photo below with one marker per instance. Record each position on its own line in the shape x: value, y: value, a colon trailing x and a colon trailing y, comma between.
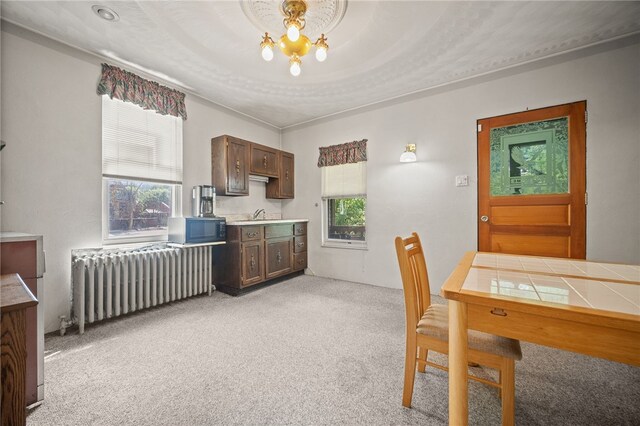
x: 64, y: 324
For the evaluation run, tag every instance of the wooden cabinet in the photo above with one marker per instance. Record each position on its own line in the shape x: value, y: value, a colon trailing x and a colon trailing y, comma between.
x: 252, y: 261
x: 299, y: 246
x: 230, y: 165
x: 16, y: 299
x: 264, y: 160
x: 259, y: 253
x: 284, y: 186
x: 278, y: 249
x: 233, y: 159
x: 278, y: 257
x: 23, y: 254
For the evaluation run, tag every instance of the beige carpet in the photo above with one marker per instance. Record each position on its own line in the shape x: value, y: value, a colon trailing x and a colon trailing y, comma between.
x: 302, y: 352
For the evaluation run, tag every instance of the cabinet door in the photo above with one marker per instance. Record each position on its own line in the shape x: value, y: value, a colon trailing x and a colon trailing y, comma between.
x: 278, y: 257
x: 264, y: 161
x: 283, y: 186
x: 252, y: 263
x: 237, y: 167
x: 287, y: 175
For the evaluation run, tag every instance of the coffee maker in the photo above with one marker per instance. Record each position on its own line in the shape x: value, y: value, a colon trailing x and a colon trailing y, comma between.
x: 203, y: 201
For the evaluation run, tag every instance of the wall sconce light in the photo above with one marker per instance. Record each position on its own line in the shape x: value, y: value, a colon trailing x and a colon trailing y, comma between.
x: 409, y: 154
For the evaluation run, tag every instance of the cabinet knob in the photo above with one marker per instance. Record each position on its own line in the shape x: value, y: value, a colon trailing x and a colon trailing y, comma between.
x: 286, y: 175
x: 300, y: 244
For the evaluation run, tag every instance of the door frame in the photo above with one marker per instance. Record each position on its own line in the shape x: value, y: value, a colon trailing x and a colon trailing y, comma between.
x: 577, y: 196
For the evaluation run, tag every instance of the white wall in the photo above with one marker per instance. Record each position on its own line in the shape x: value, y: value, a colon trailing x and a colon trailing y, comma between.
x: 52, y: 164
x: 422, y: 197
x: 51, y: 167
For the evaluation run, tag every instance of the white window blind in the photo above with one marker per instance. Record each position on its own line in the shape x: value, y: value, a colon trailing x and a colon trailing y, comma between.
x: 345, y: 180
x: 140, y: 144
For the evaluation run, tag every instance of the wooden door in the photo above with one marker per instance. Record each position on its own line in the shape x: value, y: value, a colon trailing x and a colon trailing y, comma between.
x: 532, y: 182
x: 237, y: 167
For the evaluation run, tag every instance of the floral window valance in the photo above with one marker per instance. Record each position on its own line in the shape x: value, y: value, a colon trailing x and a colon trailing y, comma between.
x: 350, y: 152
x: 128, y: 87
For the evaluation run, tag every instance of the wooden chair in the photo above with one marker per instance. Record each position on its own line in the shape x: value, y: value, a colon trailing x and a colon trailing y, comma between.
x: 428, y: 329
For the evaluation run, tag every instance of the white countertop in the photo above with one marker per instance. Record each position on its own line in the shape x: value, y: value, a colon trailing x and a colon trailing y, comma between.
x: 265, y: 222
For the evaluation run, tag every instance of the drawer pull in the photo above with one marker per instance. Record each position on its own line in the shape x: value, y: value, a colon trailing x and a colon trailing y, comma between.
x: 253, y: 262
x: 252, y: 234
x: 264, y: 161
x: 300, y: 245
x: 278, y: 257
x: 237, y: 166
x: 499, y: 312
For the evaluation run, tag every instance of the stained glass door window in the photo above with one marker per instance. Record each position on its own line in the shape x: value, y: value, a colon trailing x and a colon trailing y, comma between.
x: 530, y: 158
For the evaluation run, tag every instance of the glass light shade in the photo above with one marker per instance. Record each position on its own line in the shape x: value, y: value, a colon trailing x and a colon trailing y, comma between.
x: 267, y: 53
x: 293, y: 32
x: 409, y: 154
x: 408, y: 157
x: 295, y: 69
x: 321, y: 54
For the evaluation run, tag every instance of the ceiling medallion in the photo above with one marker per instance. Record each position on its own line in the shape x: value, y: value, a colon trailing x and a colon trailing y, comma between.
x: 320, y: 16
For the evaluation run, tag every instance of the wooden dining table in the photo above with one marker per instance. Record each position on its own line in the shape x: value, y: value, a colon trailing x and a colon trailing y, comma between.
x: 581, y: 306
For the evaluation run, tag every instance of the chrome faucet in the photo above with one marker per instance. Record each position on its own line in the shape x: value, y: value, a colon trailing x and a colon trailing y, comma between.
x: 257, y: 213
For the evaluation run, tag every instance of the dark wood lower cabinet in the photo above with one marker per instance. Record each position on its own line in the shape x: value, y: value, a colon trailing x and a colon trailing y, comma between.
x: 252, y: 263
x: 259, y: 253
x: 278, y: 257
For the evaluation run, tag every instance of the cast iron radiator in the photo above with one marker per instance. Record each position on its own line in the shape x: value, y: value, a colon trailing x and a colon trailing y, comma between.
x: 110, y: 283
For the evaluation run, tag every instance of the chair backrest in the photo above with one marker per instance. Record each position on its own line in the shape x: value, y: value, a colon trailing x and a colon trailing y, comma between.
x: 415, y: 280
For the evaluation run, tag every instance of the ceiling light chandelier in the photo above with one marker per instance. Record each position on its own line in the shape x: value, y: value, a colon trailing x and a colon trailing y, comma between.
x: 294, y: 44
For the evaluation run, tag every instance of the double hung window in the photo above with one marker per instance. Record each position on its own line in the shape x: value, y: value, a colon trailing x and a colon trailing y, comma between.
x: 141, y: 171
x: 344, y: 193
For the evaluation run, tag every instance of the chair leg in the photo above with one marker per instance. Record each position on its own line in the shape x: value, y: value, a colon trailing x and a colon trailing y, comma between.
x: 508, y: 391
x: 423, y: 353
x: 409, y: 369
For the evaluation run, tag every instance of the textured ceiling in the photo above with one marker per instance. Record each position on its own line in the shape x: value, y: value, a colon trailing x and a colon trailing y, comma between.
x: 379, y: 50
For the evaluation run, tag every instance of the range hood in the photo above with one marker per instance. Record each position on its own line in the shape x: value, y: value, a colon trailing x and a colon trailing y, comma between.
x: 257, y: 178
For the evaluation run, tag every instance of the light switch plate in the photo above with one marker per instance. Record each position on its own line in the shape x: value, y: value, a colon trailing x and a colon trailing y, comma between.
x: 462, y: 180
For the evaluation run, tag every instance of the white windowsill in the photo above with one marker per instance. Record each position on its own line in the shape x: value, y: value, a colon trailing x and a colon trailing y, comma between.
x: 350, y: 245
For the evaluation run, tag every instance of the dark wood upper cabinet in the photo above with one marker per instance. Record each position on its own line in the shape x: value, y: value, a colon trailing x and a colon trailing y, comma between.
x: 230, y: 165
x: 284, y: 186
x: 264, y: 160
x: 233, y: 159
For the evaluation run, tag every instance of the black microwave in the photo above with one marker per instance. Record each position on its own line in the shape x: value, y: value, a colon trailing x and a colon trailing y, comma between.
x: 197, y: 230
